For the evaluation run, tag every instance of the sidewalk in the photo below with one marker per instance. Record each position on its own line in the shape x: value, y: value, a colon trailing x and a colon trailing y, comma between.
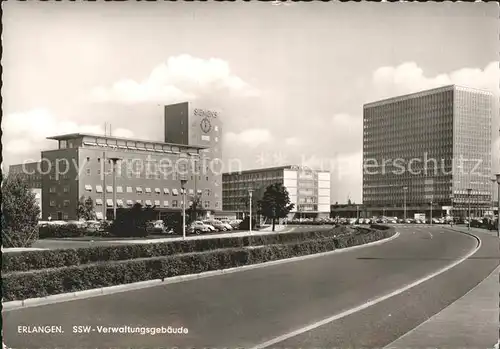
x: 469, y: 322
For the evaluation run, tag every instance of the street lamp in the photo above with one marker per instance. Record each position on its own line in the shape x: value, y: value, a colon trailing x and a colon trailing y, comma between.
x: 498, y: 198
x: 183, y: 189
x: 469, y: 190
x: 405, y: 189
x: 493, y: 181
x: 430, y: 220
x: 114, y: 160
x: 250, y: 192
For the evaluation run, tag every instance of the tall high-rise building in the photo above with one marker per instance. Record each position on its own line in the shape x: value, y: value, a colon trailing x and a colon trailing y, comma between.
x: 431, y: 147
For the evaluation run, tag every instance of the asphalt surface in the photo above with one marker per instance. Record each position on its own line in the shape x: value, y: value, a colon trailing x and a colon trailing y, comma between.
x: 251, y: 307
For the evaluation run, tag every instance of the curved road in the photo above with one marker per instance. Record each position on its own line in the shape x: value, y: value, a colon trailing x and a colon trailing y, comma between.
x: 248, y: 308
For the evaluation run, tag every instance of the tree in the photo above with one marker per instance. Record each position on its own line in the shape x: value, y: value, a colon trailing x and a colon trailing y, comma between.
x: 132, y: 221
x: 19, y: 213
x: 275, y: 203
x: 85, y: 209
x: 192, y: 211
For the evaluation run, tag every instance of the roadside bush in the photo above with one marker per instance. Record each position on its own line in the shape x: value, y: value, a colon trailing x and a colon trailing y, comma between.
x: 245, y: 224
x: 132, y: 222
x: 41, y: 283
x: 52, y: 231
x: 32, y: 260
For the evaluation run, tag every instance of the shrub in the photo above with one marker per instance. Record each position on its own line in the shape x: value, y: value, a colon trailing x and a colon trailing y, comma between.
x: 52, y: 231
x: 41, y: 283
x: 19, y: 213
x: 31, y: 260
x: 132, y: 222
x: 245, y: 224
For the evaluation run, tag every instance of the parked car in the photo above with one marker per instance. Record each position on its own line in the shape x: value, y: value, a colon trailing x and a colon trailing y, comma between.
x: 198, y: 228
x: 227, y: 225
x: 216, y: 224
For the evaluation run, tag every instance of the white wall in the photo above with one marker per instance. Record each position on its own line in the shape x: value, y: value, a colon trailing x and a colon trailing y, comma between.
x: 324, y: 192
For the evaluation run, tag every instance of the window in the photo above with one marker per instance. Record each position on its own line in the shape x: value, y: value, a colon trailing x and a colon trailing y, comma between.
x: 157, y: 191
x: 191, y: 192
x: 130, y: 203
x: 66, y: 203
x: 88, y: 187
x: 129, y: 189
x: 174, y: 203
x: 52, y: 189
x: 165, y: 203
x: 166, y: 191
x: 66, y: 189
x: 88, y: 171
x: 206, y: 204
x: 157, y: 202
x: 98, y: 188
x: 119, y: 202
x: 175, y: 192
x: 148, y: 190
x: 52, y: 203
x: 138, y: 190
x: 98, y: 202
x: 119, y: 189
x: 109, y: 189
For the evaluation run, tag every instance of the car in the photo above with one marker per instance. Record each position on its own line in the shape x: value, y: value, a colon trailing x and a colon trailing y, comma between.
x: 198, y: 228
x: 209, y: 226
x: 216, y: 224
x: 227, y: 225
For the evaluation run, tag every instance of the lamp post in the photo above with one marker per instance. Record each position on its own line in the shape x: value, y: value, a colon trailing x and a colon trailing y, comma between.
x: 498, y: 199
x: 430, y: 218
x: 357, y: 213
x: 493, y: 181
x: 103, y: 175
x: 250, y: 192
x: 183, y: 189
x: 114, y: 160
x: 405, y: 189
x: 469, y: 190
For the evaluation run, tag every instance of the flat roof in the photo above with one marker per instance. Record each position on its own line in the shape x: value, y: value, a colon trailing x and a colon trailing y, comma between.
x: 424, y: 92
x: 80, y: 135
x: 266, y: 169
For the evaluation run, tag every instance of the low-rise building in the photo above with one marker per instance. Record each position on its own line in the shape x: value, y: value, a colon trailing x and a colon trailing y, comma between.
x: 309, y: 190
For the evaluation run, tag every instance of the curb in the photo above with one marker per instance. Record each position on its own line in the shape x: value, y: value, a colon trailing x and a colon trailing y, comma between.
x: 64, y: 297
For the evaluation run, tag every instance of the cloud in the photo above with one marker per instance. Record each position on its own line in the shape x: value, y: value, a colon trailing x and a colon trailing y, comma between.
x: 179, y: 79
x: 293, y: 141
x: 250, y: 137
x: 408, y: 77
x: 25, y: 133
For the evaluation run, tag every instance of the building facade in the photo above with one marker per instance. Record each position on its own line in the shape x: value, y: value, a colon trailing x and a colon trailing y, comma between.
x: 140, y: 171
x: 31, y: 173
x: 428, y: 148
x: 309, y: 190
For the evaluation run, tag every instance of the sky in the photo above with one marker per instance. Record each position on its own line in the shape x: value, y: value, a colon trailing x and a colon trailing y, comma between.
x: 289, y: 80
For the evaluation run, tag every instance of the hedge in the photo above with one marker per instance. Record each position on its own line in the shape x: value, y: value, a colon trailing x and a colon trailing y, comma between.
x: 42, y: 283
x: 43, y: 259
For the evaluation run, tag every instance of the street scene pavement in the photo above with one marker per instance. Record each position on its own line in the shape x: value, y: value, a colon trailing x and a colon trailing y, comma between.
x: 275, y: 304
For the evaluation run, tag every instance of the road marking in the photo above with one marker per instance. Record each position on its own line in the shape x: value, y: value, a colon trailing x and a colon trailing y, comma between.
x: 390, y: 346
x: 367, y: 304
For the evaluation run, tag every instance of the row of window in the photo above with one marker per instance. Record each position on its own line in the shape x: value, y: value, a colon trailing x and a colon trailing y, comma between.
x: 148, y: 203
x: 139, y: 190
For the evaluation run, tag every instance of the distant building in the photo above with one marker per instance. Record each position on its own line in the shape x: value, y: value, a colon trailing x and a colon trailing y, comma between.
x: 31, y: 173
x: 309, y: 190
x: 412, y: 146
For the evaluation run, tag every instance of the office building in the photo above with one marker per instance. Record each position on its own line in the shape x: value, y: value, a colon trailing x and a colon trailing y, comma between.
x: 146, y: 172
x: 428, y: 147
x: 309, y: 190
x: 30, y: 172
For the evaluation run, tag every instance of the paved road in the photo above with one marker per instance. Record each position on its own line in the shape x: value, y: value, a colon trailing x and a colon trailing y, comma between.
x: 251, y: 307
